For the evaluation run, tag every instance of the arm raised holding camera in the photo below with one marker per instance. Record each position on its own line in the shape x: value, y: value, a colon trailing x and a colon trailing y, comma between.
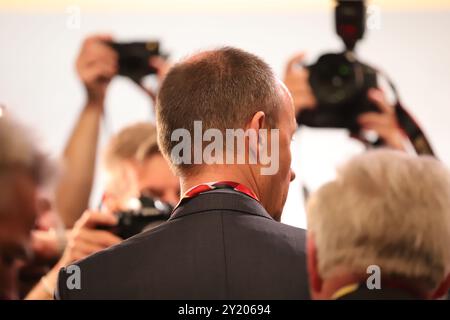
x: 96, y: 65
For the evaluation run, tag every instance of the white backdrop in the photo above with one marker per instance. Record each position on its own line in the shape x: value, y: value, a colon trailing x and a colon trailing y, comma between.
x: 38, y: 82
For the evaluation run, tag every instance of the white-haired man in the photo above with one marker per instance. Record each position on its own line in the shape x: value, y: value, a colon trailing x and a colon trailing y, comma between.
x: 381, y: 230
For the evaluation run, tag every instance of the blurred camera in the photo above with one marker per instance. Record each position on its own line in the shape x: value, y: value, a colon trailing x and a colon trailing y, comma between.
x: 338, y: 80
x: 147, y: 213
x: 340, y: 84
x: 134, y: 58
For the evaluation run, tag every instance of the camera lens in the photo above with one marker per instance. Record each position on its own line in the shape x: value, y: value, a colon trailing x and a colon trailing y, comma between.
x: 333, y: 79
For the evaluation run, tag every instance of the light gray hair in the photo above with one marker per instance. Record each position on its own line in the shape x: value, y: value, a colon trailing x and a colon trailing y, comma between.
x: 388, y: 209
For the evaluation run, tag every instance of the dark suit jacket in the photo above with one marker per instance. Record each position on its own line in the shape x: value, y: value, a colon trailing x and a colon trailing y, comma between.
x: 221, y: 244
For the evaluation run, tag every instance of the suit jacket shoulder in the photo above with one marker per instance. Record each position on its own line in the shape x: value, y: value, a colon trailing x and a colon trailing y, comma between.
x: 218, y: 245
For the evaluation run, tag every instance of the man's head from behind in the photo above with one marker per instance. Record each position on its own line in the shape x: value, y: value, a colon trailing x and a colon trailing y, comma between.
x: 23, y: 168
x: 135, y: 166
x: 226, y: 90
x: 385, y: 209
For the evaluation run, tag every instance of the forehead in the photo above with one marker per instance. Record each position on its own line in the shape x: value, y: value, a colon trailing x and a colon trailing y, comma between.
x: 155, y: 170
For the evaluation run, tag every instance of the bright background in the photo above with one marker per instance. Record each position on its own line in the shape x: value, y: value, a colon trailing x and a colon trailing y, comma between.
x: 38, y: 82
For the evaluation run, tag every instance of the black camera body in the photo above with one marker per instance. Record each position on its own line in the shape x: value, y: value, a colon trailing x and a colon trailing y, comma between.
x: 134, y: 58
x: 338, y: 80
x: 340, y: 84
x: 132, y: 222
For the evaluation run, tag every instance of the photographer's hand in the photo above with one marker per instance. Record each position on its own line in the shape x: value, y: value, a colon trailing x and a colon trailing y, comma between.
x: 296, y: 80
x: 384, y: 123
x: 96, y: 65
x: 162, y: 66
x: 83, y: 240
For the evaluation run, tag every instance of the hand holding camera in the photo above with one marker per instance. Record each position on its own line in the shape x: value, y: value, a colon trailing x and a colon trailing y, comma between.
x: 383, y: 122
x: 100, y: 59
x: 84, y: 239
x: 340, y: 91
x: 142, y: 213
x: 296, y: 79
x: 136, y: 60
x: 96, y: 65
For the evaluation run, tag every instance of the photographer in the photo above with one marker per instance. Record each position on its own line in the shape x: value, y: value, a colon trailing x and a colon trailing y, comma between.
x: 384, y: 123
x: 96, y: 65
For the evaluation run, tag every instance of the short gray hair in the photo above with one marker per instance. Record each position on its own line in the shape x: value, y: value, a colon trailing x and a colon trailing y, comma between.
x: 385, y: 208
x: 223, y: 88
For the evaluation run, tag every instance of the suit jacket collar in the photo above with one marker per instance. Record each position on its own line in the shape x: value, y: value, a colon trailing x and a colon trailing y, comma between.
x: 220, y: 199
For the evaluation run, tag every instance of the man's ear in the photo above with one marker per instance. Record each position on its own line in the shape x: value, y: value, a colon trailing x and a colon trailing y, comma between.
x: 257, y: 123
x: 443, y: 288
x: 315, y: 281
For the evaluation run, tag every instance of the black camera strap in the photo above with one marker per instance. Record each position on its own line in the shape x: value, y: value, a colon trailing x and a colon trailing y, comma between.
x: 413, y: 131
x: 408, y: 124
